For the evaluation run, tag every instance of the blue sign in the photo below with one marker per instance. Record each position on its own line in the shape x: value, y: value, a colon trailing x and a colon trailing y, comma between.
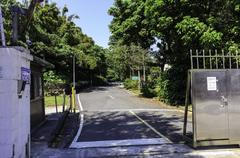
x: 26, y: 74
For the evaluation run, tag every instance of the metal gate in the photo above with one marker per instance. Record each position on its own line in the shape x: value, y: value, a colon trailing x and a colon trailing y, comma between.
x: 214, y: 91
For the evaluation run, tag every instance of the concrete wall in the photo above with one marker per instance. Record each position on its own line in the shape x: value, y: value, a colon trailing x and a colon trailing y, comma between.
x: 14, y: 111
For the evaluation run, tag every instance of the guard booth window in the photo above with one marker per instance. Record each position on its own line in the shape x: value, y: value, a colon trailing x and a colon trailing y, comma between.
x: 36, y: 86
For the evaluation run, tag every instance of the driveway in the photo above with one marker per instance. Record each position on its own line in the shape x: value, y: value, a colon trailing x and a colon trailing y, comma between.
x: 116, y: 123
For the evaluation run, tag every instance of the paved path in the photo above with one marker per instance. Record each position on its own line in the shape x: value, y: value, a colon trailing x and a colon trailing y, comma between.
x: 115, y: 123
x: 111, y: 116
x: 112, y: 98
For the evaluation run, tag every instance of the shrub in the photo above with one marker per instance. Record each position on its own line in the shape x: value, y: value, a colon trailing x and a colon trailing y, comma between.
x: 130, y: 84
x: 171, y: 86
x: 148, y: 90
x: 112, y: 75
x: 149, y: 87
x: 53, y: 83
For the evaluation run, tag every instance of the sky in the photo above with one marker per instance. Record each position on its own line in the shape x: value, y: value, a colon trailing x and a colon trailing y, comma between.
x: 94, y: 19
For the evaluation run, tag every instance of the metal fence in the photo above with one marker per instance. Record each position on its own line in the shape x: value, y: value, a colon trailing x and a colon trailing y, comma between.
x: 214, y: 59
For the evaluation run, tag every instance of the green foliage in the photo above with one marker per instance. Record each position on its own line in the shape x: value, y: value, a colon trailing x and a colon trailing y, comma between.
x: 53, y: 84
x: 100, y: 81
x: 128, y: 24
x: 50, y: 100
x: 59, y: 39
x: 148, y: 90
x: 190, y: 28
x: 211, y: 38
x: 112, y: 75
x: 149, y: 87
x: 123, y: 58
x: 130, y: 84
x: 171, y: 86
x: 175, y: 27
x: 55, y: 36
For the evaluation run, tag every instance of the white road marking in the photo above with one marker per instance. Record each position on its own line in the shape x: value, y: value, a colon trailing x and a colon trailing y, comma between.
x: 79, y: 102
x: 152, y: 128
x: 137, y: 110
x: 126, y: 142
x: 81, y: 123
x: 113, y: 143
x: 111, y: 96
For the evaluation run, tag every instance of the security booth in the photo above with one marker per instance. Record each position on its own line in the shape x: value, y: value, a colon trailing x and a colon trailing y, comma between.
x: 214, y: 92
x: 37, y: 109
x: 15, y: 101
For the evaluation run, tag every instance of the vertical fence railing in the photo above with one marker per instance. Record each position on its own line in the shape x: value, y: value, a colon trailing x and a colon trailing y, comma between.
x: 2, y: 34
x: 202, y: 59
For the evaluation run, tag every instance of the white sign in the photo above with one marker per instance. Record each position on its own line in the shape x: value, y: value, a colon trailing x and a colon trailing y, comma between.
x: 212, y: 83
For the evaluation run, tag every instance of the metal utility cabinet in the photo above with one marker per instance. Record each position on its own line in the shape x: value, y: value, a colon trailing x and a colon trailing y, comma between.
x: 14, y: 102
x: 215, y: 96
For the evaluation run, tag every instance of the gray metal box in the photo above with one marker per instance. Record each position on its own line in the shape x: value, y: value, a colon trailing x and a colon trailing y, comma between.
x: 216, y: 106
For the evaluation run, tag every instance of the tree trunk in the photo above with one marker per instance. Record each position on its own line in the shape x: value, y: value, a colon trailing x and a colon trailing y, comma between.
x: 130, y: 73
x: 144, y: 73
x: 56, y: 106
x: 139, y: 78
x: 64, y: 102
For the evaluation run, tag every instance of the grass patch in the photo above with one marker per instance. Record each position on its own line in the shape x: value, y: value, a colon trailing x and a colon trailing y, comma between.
x: 50, y: 100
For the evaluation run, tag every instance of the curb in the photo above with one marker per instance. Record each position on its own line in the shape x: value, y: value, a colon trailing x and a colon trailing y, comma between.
x: 56, y: 131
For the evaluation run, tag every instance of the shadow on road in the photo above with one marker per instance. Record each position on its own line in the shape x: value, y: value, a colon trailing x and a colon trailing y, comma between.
x: 94, y: 89
x: 169, y: 125
x: 100, y: 126
x: 123, y: 125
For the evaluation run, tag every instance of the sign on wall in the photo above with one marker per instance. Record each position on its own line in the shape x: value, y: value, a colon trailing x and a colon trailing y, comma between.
x: 26, y: 75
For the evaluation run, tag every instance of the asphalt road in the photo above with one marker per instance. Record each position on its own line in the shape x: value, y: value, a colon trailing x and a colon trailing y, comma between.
x: 112, y: 98
x: 112, y: 114
x: 115, y: 123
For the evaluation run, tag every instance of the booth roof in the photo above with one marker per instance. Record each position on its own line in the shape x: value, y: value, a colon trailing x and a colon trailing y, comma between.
x: 42, y: 62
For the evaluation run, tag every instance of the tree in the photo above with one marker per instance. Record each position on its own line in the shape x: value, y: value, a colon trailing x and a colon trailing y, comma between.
x: 124, y: 60
x: 175, y: 27
x: 56, y: 37
x: 129, y: 24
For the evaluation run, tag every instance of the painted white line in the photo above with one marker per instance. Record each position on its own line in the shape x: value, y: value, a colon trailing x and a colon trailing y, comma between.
x: 111, y: 96
x: 81, y: 123
x: 215, y: 153
x: 79, y: 103
x: 136, y: 110
x: 152, y: 128
x: 114, y: 143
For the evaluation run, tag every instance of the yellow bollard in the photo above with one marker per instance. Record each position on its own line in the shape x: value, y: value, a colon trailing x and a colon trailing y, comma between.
x: 73, y: 100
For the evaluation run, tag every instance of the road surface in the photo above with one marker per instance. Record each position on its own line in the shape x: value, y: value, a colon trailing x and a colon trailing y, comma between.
x: 115, y: 123
x: 112, y: 116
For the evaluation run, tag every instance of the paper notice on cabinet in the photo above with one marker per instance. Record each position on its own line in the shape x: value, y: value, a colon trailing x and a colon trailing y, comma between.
x: 211, y: 83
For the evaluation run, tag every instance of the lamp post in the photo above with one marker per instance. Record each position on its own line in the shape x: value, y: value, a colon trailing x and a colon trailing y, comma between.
x: 74, y: 85
x: 74, y: 72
